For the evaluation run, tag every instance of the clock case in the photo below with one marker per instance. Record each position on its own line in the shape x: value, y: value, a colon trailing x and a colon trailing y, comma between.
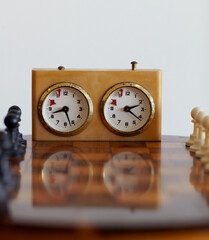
x: 96, y: 83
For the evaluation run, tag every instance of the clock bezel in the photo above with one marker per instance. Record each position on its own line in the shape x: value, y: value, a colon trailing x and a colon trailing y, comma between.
x: 70, y: 85
x: 143, y: 90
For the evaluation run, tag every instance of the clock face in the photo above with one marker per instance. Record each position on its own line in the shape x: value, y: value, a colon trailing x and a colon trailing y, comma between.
x: 65, y: 109
x: 127, y: 109
x: 128, y: 172
x: 62, y: 174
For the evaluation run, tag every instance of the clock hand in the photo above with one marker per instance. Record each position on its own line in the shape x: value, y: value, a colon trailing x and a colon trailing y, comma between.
x: 127, y: 109
x: 67, y: 117
x: 65, y: 109
x: 60, y: 110
x: 134, y: 115
x: 133, y: 106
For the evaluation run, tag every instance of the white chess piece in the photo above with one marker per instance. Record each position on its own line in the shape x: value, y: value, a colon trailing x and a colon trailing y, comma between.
x: 199, y: 140
x: 205, y: 147
x: 205, y: 158
x: 193, y: 136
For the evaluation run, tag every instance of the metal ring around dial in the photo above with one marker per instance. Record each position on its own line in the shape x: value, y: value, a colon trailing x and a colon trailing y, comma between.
x: 143, y: 90
x: 70, y: 85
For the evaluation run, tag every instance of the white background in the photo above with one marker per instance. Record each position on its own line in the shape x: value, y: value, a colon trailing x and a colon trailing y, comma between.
x: 172, y: 35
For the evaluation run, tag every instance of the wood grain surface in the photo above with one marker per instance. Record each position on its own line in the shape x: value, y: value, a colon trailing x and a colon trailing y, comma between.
x: 97, y: 190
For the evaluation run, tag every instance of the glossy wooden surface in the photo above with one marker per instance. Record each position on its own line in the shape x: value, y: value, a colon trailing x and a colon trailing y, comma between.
x: 96, y: 190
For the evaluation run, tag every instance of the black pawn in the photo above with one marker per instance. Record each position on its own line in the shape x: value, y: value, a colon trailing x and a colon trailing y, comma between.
x: 20, y: 139
x: 16, y: 108
x: 12, y: 123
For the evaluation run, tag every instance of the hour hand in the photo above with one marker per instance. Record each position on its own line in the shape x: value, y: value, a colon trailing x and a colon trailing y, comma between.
x: 63, y: 109
x: 133, y: 106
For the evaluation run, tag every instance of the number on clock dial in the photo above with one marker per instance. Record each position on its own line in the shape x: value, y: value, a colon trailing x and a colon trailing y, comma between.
x: 127, y: 109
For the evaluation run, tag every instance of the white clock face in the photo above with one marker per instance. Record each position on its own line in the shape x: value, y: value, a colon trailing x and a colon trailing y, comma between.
x: 127, y: 108
x: 65, y: 109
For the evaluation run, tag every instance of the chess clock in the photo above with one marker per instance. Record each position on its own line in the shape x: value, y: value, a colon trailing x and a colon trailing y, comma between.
x: 96, y: 105
x: 57, y: 102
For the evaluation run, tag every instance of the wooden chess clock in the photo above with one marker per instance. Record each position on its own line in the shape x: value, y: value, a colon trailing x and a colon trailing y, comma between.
x: 96, y: 105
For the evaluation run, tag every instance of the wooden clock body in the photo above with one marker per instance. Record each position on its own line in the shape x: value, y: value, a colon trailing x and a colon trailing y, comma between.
x: 96, y: 83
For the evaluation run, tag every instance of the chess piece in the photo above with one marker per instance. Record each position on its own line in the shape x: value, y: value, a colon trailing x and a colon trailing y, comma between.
x: 7, y: 177
x: 199, y: 139
x: 205, y: 147
x: 16, y: 110
x: 193, y: 136
x: 12, y: 122
x: 205, y: 158
x: 8, y: 180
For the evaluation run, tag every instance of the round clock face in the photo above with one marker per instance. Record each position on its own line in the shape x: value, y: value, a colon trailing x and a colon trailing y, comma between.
x: 62, y: 175
x: 127, y: 109
x: 65, y: 109
x: 128, y: 172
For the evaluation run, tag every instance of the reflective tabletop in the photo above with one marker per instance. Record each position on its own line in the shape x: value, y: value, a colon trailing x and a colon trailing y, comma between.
x: 109, y: 185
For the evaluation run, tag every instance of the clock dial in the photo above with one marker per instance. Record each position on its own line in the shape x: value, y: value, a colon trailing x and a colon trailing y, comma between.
x: 65, y: 109
x: 128, y: 172
x: 62, y: 174
x: 127, y: 109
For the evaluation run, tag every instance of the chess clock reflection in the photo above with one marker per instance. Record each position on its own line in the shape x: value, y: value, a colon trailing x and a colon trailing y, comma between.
x: 94, y: 175
x: 61, y: 173
x: 55, y: 173
x: 129, y: 176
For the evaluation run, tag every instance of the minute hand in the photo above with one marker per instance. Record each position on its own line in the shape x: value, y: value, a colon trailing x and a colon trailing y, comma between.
x: 67, y: 117
x: 134, y: 115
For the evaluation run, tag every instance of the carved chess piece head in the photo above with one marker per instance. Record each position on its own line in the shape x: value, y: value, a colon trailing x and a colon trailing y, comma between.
x: 195, y: 111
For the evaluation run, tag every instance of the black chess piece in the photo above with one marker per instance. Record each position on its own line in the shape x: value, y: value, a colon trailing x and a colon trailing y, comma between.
x: 3, y: 192
x: 21, y: 141
x: 7, y: 177
x: 16, y: 110
x: 12, y: 123
x: 8, y: 180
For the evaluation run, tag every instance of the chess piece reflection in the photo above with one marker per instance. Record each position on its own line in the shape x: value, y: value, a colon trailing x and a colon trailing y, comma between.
x: 200, y: 179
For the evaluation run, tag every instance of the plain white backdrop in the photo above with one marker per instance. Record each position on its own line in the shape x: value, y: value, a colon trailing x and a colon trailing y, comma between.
x: 172, y: 35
